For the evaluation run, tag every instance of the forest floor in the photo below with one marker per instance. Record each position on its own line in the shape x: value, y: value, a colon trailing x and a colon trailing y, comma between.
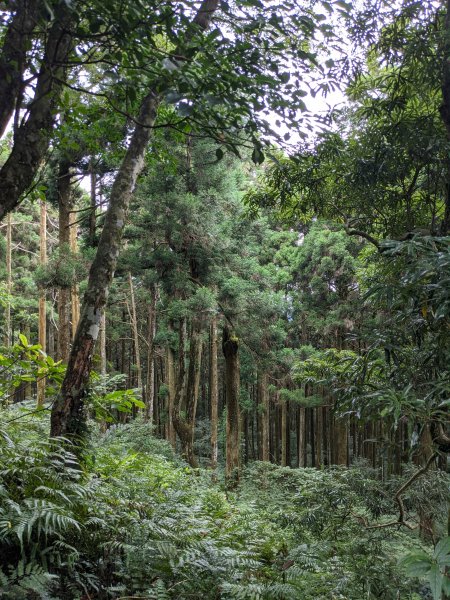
x: 138, y: 521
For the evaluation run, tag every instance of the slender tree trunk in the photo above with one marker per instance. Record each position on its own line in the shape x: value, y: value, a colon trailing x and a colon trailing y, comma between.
x: 103, y: 344
x: 171, y: 388
x: 341, y: 437
x: 134, y: 327
x: 93, y: 213
x: 284, y: 441
x: 263, y: 396
x: 230, y: 348
x: 301, y: 443
x: 150, y: 396
x: 214, y: 391
x: 64, y: 207
x: 318, y: 437
x: 42, y: 304
x: 74, y: 296
x: 68, y: 410
x: 8, y: 332
x: 187, y: 395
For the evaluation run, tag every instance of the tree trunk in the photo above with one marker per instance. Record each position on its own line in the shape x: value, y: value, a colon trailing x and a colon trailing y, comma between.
x: 8, y: 332
x: 93, y: 213
x: 65, y: 206
x: 214, y: 391
x: 103, y: 344
x: 263, y: 396
x: 68, y: 410
x: 171, y: 388
x: 230, y: 348
x: 32, y: 137
x: 187, y: 394
x: 74, y: 296
x: 13, y: 58
x: 284, y: 441
x: 341, y: 437
x: 150, y: 395
x: 301, y: 438
x: 42, y: 303
x: 134, y: 328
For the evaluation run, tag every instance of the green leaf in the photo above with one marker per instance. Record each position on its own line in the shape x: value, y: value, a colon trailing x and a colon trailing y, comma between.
x: 442, y: 551
x: 435, y: 578
x: 23, y: 340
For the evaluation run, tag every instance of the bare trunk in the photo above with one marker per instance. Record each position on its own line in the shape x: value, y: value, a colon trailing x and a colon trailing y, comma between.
x: 283, y: 433
x: 134, y: 327
x: 301, y: 438
x: 171, y: 387
x: 68, y: 410
x: 74, y: 296
x: 341, y: 437
x: 42, y: 303
x: 263, y: 396
x: 187, y: 394
x: 103, y: 344
x: 65, y: 205
x: 93, y: 213
x: 230, y: 347
x: 150, y: 395
x: 8, y: 332
x: 214, y: 391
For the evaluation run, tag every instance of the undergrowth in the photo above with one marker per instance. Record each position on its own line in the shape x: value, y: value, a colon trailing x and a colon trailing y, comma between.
x: 135, y: 520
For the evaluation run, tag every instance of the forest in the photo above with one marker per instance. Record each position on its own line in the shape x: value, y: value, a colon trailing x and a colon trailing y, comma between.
x: 224, y: 299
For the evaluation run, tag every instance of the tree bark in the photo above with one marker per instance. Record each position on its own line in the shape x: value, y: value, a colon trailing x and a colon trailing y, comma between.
x: 13, y: 58
x: 263, y: 396
x: 150, y: 395
x: 103, y: 344
x: 65, y: 206
x: 42, y: 302
x: 301, y: 454
x: 171, y: 387
x: 8, y: 332
x: 134, y: 327
x: 214, y: 391
x: 74, y: 295
x: 68, y: 410
x: 284, y: 441
x: 32, y: 137
x: 230, y: 348
x: 187, y: 394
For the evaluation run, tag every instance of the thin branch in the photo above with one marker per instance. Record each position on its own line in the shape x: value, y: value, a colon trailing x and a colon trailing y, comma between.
x: 398, y: 498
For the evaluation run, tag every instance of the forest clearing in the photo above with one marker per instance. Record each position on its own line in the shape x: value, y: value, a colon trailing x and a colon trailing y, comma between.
x: 224, y: 300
